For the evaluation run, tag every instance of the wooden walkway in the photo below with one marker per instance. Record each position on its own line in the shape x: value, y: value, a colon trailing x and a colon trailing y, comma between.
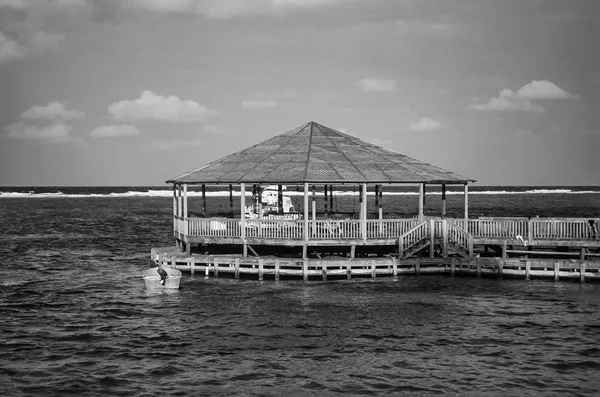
x: 345, y: 268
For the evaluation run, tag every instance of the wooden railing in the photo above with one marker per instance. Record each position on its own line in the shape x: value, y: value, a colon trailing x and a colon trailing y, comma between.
x: 349, y: 229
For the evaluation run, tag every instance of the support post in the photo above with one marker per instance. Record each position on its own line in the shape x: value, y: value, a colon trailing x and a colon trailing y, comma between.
x: 216, y: 267
x: 452, y: 267
x: 304, y: 248
x: 582, y: 272
x: 280, y: 199
x: 203, y: 200
x: 314, y: 211
x: 418, y: 266
x: 466, y: 201
x: 231, y: 199
x: 431, y: 238
x: 527, y: 269
x: 364, y: 212
x: 394, y: 267
x: 445, y: 238
x: 504, y: 249
x: 500, y: 268
x: 348, y: 270
x: 324, y: 270
x: 175, y: 229
x: 556, y: 271
x: 421, y: 200
x: 276, y: 269
x: 237, y: 268
x: 193, y: 265
x: 443, y: 200
x: 331, y: 198
x: 325, y: 198
x: 243, y: 219
x: 373, y: 269
x: 260, y: 269
x: 305, y: 269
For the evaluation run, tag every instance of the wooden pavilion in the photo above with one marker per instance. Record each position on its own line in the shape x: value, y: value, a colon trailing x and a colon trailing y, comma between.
x: 314, y: 155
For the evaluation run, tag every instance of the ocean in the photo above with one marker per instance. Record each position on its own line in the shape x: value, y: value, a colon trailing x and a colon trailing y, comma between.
x: 76, y: 319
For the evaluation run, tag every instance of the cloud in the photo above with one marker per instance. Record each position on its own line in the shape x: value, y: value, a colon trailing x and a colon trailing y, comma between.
x: 52, y: 111
x: 522, y: 100
x: 225, y: 9
x: 543, y: 89
x: 162, y: 144
x: 113, y: 131
x: 151, y: 106
x: 16, y: 4
x: 45, y: 40
x: 10, y: 50
x: 377, y: 85
x: 211, y: 128
x: 425, y: 124
x: 55, y: 133
x: 507, y: 100
x: 259, y: 104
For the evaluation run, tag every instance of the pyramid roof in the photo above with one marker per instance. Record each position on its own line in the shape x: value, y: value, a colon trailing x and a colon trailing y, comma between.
x: 314, y: 153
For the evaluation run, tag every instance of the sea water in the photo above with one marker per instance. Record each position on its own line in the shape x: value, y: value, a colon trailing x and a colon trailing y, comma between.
x: 75, y: 318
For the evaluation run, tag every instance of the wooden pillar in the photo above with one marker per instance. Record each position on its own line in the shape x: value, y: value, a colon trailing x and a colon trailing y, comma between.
x: 421, y: 200
x: 323, y: 270
x: 314, y: 203
x: 185, y: 200
x: 325, y: 198
x: 394, y: 266
x: 527, y: 269
x: 444, y: 238
x: 431, y: 238
x: 582, y: 272
x: 231, y: 199
x: 331, y: 198
x: 443, y: 200
x: 243, y: 221
x: 466, y: 201
x: 305, y: 270
x: 280, y: 199
x: 276, y: 269
x: 373, y: 269
x: 348, y: 270
x: 380, y: 202
x: 175, y: 210
x: 260, y: 269
x: 203, y: 200
x: 259, y: 192
x: 216, y: 268
x: 364, y: 212
x: 556, y: 271
x: 193, y: 265
x: 306, y: 234
x: 237, y: 267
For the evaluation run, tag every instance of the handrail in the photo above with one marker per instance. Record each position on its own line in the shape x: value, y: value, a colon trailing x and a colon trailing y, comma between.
x: 463, y: 238
x: 413, y: 237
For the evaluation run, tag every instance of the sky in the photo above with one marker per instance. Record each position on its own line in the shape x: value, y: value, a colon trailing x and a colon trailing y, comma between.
x: 134, y: 92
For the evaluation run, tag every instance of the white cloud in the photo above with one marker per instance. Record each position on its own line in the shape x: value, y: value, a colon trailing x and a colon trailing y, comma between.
x: 113, y: 131
x: 507, y: 100
x: 543, y: 89
x: 10, y: 50
x: 223, y: 9
x: 259, y: 104
x: 52, y: 111
x: 425, y: 124
x: 211, y: 128
x: 377, y: 85
x: 162, y: 144
x: 522, y: 100
x: 16, y: 4
x: 45, y: 40
x: 54, y: 133
x: 151, y: 106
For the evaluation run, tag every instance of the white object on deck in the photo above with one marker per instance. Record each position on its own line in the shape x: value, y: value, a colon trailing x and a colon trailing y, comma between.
x: 153, y: 279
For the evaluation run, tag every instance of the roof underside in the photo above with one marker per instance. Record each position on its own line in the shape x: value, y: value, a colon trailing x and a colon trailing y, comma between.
x: 314, y: 153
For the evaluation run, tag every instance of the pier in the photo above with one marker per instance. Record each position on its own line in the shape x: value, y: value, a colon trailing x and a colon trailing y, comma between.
x: 317, y: 241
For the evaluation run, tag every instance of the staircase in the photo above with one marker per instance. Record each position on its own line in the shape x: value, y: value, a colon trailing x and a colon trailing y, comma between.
x: 433, y: 233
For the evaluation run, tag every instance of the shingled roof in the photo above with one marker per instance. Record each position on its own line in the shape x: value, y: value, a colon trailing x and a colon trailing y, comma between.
x: 314, y: 153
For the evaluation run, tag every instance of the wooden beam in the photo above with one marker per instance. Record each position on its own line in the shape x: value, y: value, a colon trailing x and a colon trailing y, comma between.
x: 280, y: 199
x: 243, y: 217
x: 466, y: 201
x: 204, y: 200
x: 443, y: 200
x: 421, y: 199
x: 231, y: 199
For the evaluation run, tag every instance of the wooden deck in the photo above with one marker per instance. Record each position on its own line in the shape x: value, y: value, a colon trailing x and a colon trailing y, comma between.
x: 344, y: 268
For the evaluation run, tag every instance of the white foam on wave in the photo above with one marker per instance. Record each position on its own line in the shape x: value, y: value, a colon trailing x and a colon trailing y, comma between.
x: 224, y: 193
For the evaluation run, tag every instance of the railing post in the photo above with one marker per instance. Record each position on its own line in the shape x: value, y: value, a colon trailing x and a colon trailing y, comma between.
x: 431, y: 237
x: 445, y: 238
x: 530, y: 230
